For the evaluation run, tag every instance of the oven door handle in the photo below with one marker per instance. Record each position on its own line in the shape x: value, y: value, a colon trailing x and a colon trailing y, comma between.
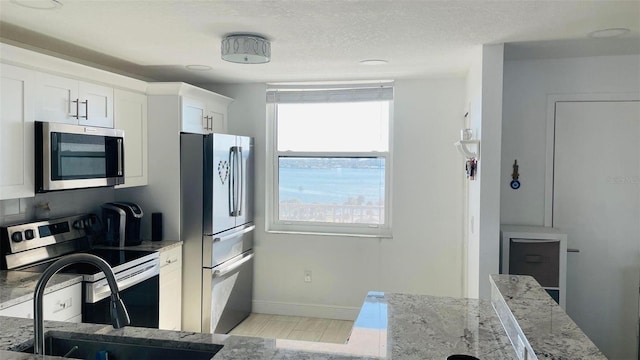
x: 125, y: 281
x: 226, y: 270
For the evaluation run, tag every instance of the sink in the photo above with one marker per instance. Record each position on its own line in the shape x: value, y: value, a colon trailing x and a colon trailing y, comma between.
x: 117, y: 348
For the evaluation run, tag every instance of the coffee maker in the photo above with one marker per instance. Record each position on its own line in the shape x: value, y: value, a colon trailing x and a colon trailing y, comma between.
x: 121, y: 221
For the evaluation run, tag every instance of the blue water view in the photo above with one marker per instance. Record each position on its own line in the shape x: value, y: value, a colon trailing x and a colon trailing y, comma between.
x: 332, y: 185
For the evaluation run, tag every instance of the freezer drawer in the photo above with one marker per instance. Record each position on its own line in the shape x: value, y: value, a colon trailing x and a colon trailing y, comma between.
x: 227, y: 294
x: 222, y: 247
x: 538, y: 258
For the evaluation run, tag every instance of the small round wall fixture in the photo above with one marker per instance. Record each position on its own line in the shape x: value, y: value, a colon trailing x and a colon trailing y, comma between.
x: 246, y: 49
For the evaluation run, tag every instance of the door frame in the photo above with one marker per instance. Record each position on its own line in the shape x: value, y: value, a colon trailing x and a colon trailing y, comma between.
x: 552, y: 99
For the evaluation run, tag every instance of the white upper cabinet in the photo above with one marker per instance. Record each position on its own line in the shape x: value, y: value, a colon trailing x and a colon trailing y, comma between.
x: 194, y: 116
x: 16, y: 132
x: 70, y: 101
x: 201, y: 111
x: 204, y: 114
x: 130, y: 115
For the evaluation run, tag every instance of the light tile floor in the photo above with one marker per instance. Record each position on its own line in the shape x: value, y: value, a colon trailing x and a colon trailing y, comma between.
x: 295, y: 328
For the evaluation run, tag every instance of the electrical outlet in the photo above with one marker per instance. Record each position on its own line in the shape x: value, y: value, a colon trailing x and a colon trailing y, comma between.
x: 307, y: 276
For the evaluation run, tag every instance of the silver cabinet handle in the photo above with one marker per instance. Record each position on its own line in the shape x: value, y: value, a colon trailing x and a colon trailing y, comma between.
x: 573, y: 250
x: 77, y: 115
x: 86, y: 110
x: 235, y: 234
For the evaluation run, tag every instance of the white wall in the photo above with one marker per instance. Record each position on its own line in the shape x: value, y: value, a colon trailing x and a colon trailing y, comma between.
x: 484, y: 101
x: 527, y: 83
x: 425, y: 254
x: 60, y: 204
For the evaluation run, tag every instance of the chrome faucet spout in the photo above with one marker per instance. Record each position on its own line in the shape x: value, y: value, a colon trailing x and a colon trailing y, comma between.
x: 119, y: 315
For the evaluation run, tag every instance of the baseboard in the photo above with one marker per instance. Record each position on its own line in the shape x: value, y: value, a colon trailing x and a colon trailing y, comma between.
x: 307, y: 310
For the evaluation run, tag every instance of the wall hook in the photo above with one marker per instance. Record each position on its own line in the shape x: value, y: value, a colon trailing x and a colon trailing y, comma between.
x: 463, y: 148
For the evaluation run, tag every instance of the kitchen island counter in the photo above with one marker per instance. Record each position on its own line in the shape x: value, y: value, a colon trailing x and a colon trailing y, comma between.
x: 389, y: 326
x: 398, y: 326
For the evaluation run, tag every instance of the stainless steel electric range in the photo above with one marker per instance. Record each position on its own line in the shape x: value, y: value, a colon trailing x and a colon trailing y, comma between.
x: 34, y: 246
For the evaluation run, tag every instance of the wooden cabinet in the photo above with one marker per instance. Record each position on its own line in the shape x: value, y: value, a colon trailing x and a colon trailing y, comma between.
x: 70, y: 101
x: 130, y: 115
x: 16, y: 132
x: 61, y: 305
x: 171, y: 289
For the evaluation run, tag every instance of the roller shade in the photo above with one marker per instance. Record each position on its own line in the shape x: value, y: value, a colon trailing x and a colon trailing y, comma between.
x: 315, y: 94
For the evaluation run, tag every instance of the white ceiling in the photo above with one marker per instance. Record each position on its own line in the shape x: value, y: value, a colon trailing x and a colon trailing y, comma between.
x: 314, y: 40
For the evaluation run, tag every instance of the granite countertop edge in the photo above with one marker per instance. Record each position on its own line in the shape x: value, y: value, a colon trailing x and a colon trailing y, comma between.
x: 20, y: 289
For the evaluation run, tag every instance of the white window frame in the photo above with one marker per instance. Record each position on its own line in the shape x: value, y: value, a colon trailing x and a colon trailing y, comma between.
x: 319, y: 94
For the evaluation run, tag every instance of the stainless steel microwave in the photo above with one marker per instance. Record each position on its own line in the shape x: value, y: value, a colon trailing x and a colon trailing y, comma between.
x: 75, y: 157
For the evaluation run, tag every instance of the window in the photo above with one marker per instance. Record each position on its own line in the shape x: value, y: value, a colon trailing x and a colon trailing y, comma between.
x: 330, y: 163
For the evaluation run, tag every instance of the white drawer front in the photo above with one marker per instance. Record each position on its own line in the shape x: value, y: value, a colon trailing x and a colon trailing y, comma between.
x: 63, y: 304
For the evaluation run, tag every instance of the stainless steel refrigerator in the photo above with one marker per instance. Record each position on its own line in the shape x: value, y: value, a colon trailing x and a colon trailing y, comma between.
x: 216, y: 181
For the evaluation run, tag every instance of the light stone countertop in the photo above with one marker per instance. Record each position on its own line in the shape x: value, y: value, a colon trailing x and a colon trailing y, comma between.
x: 397, y: 326
x: 18, y: 286
x: 547, y: 331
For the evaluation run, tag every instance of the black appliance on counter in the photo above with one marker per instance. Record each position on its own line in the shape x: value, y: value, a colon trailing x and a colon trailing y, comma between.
x: 34, y: 246
x: 121, y: 221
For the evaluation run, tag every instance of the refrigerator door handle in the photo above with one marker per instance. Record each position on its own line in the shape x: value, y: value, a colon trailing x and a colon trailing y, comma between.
x: 232, y: 192
x: 234, y: 235
x: 233, y: 267
x: 241, y: 182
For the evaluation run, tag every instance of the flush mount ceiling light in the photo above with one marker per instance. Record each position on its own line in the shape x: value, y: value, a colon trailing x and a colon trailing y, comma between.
x: 608, y: 33
x: 246, y: 49
x: 39, y: 4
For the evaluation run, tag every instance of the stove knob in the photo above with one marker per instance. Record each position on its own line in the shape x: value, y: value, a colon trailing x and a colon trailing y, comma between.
x: 28, y: 234
x: 78, y: 224
x: 87, y: 223
x: 16, y: 237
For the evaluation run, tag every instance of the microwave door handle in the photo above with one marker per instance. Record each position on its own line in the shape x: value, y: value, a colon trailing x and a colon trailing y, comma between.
x: 120, y: 156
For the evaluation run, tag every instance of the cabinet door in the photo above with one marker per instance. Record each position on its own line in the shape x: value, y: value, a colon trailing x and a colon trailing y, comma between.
x: 194, y: 116
x: 57, y: 99
x: 217, y: 112
x: 96, y: 105
x: 130, y: 115
x: 171, y: 289
x: 16, y: 132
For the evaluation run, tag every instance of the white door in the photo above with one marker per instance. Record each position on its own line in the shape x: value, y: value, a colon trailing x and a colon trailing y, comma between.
x: 596, y: 201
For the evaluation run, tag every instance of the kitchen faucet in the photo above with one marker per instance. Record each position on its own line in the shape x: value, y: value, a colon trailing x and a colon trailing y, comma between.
x: 119, y: 315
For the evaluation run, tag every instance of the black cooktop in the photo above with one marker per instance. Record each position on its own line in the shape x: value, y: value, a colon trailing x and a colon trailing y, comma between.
x: 114, y: 257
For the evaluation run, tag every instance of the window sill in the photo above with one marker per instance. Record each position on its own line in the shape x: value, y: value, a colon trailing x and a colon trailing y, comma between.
x: 295, y: 232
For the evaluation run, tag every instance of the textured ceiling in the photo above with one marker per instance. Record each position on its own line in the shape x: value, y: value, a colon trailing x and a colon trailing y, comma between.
x: 313, y: 40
